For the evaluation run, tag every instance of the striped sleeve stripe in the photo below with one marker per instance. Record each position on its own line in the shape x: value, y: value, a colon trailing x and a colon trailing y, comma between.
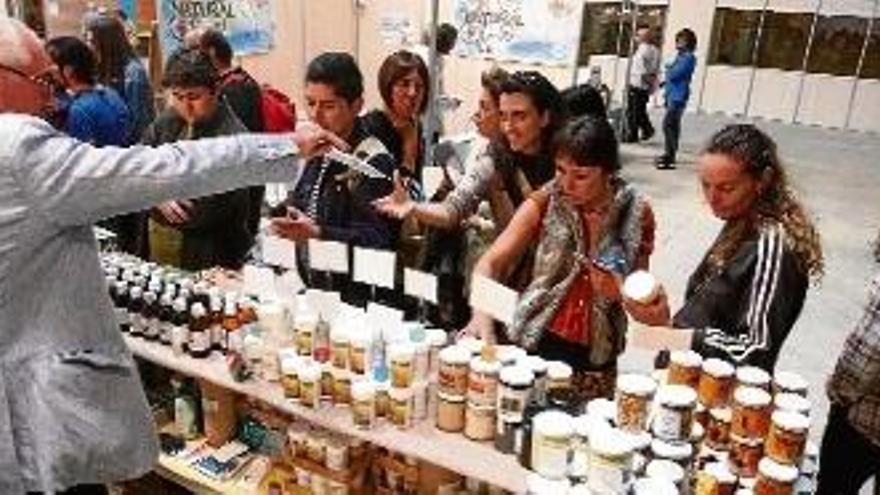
x: 766, y: 277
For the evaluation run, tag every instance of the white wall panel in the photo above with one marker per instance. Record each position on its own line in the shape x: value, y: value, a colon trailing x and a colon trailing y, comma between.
x: 824, y: 100
x: 726, y: 89
x: 774, y: 94
x: 866, y: 107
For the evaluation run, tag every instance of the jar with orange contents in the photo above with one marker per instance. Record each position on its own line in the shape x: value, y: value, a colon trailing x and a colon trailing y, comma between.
x: 684, y: 368
x: 745, y: 454
x: 788, y: 437
x: 751, y: 413
x: 716, y: 383
x: 775, y: 478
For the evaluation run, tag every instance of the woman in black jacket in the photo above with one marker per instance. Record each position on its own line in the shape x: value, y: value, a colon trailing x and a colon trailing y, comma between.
x: 747, y: 293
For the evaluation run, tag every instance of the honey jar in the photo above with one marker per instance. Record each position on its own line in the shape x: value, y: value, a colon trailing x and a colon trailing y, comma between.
x: 751, y: 413
x: 788, y: 437
x: 716, y: 383
x: 684, y: 368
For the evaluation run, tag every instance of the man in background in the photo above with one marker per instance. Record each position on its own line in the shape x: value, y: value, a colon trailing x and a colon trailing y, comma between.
x: 642, y: 83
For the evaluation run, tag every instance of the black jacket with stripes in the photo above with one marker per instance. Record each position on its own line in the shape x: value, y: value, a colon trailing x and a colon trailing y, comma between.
x: 744, y: 312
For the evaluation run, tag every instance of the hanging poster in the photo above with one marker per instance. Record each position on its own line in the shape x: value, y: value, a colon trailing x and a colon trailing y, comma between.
x: 247, y: 24
x: 530, y: 31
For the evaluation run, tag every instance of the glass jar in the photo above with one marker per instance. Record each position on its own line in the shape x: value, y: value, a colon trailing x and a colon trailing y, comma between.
x: 792, y: 403
x: 420, y: 401
x: 452, y: 378
x: 552, y: 433
x: 674, y: 414
x: 787, y: 382
x: 316, y: 444
x: 401, y: 407
x: 420, y: 361
x: 752, y: 376
x: 401, y: 357
x: 715, y: 479
x: 539, y: 369
x: 610, y: 468
x: 666, y: 470
x: 341, y: 386
x: 340, y: 347
x: 684, y: 368
x: 479, y: 422
x: 508, y: 435
x: 788, y: 437
x: 514, y: 393
x: 304, y: 324
x: 290, y: 376
x: 677, y: 452
x: 718, y: 431
x: 558, y: 375
x: 634, y: 395
x: 508, y: 355
x: 337, y: 458
x: 363, y: 407
x: 437, y: 340
x: 751, y: 413
x: 359, y: 351
x: 383, y: 399
x: 483, y: 382
x: 716, y: 383
x: 745, y: 453
x: 450, y: 412
x: 775, y: 478
x: 310, y: 385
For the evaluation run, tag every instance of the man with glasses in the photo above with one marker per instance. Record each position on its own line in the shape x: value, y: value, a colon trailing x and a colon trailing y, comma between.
x: 208, y: 231
x: 72, y: 410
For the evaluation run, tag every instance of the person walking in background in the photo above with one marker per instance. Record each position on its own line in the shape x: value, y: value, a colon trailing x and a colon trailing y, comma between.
x: 642, y: 82
x: 95, y: 114
x: 677, y: 90
x: 120, y: 69
x: 850, y: 453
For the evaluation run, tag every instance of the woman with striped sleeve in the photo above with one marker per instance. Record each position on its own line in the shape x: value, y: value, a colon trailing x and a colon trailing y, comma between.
x: 747, y: 293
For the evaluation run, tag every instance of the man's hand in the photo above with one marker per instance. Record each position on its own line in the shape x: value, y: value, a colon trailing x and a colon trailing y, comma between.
x: 312, y: 140
x: 295, y: 226
x: 175, y: 212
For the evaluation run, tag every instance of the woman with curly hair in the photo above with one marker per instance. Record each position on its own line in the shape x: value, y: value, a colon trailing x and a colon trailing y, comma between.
x: 747, y: 293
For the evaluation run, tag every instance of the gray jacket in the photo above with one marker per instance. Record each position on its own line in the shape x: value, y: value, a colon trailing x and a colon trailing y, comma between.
x: 72, y: 409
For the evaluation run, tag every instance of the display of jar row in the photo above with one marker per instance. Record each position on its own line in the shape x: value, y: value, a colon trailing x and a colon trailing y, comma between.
x: 703, y: 427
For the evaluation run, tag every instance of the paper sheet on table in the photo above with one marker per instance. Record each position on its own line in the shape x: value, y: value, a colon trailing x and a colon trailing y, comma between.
x: 328, y: 256
x: 432, y: 178
x: 280, y: 252
x: 259, y: 281
x: 420, y: 285
x: 374, y: 267
x: 493, y: 299
x: 659, y: 338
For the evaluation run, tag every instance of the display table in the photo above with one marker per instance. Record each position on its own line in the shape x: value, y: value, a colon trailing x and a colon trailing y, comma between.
x: 450, y: 451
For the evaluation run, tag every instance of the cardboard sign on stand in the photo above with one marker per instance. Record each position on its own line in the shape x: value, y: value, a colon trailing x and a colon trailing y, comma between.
x: 328, y: 256
x: 374, y: 267
x: 421, y: 285
x: 279, y: 252
x: 494, y: 299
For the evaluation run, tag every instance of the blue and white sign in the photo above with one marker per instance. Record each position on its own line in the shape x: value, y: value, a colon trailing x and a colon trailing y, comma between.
x: 247, y: 24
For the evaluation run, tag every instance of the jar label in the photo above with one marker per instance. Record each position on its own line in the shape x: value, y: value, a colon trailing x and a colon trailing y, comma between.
x: 667, y: 424
x: 606, y: 477
x: 357, y: 359
x: 199, y: 341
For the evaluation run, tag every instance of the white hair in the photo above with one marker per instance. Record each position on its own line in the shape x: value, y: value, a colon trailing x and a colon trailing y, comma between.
x: 22, y: 49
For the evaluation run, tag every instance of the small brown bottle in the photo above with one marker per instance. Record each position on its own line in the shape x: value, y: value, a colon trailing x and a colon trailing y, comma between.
x: 199, y: 332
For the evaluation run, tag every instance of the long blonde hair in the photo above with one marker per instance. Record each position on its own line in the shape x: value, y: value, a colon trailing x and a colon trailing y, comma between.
x: 755, y: 150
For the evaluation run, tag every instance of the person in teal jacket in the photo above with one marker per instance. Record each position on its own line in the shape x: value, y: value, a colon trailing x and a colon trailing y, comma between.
x: 677, y: 90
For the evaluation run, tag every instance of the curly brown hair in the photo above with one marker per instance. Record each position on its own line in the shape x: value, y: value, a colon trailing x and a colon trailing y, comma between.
x: 777, y: 204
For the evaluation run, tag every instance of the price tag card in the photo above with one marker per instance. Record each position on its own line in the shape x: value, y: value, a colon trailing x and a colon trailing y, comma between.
x: 658, y: 338
x: 328, y: 256
x: 384, y: 318
x: 374, y: 267
x: 432, y: 178
x: 280, y: 252
x: 493, y: 299
x: 259, y: 281
x: 420, y: 285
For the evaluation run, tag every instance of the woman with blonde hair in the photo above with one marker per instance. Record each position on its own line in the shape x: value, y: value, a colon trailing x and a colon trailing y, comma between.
x: 747, y: 293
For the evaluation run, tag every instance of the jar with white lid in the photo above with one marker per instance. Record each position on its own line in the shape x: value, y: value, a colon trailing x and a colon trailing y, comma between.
x: 337, y: 458
x: 483, y: 382
x: 341, y: 386
x: 420, y: 361
x: 296, y: 440
x: 383, y: 399
x: 716, y: 383
x: 340, y: 344
x: 472, y: 344
x: 401, y: 407
x: 775, y: 478
x: 751, y: 413
x: 684, y: 368
x: 539, y: 368
x: 718, y: 429
x: 310, y: 385
x: 715, y: 479
x: 514, y: 393
x: 602, y: 408
x: 437, y: 340
x: 634, y: 395
x: 793, y: 403
x: 479, y: 421
x: 450, y: 412
x: 788, y: 437
x: 654, y: 486
x: 305, y: 322
x: 452, y: 378
x: 674, y: 414
x: 509, y: 354
x: 610, y: 469
x: 580, y: 447
x: 402, y: 356
x: 359, y: 351
x: 363, y: 406
x: 752, y: 376
x: 290, y: 376
x: 539, y: 485
x: 552, y: 433
x: 788, y: 382
x: 558, y: 375
x: 316, y: 446
x: 679, y: 453
x: 641, y: 445
x: 745, y: 453
x: 666, y: 470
